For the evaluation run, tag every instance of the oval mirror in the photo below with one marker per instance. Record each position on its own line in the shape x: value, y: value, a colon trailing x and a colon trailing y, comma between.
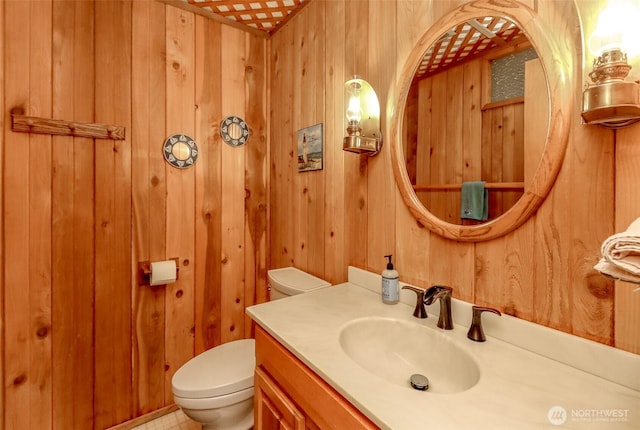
x: 473, y: 158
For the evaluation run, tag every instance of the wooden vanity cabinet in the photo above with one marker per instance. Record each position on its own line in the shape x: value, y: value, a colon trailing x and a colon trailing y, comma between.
x: 290, y: 396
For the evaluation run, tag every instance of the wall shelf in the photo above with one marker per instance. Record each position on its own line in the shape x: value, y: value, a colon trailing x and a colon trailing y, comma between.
x: 499, y: 186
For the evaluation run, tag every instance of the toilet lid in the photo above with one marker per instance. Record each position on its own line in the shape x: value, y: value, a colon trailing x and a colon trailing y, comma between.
x: 292, y: 281
x: 225, y: 369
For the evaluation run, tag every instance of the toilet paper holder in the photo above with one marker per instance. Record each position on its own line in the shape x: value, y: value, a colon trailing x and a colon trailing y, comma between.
x: 144, y: 271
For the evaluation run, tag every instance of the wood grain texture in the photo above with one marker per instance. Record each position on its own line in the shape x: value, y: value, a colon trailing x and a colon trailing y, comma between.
x: 256, y: 198
x: 356, y: 222
x: 542, y: 271
x: 109, y: 343
x: 2, y: 248
x: 84, y: 346
x: 334, y: 159
x: 627, y: 209
x: 233, y: 191
x: 40, y: 207
x: 282, y: 150
x: 73, y: 199
x: 303, y: 115
x: 313, y: 108
x: 113, y: 307
x: 273, y: 408
x: 208, y: 312
x: 316, y: 399
x: 148, y: 202
x: 561, y: 93
x: 180, y: 198
x: 17, y: 326
x: 413, y: 240
x: 60, y: 127
x: 381, y: 238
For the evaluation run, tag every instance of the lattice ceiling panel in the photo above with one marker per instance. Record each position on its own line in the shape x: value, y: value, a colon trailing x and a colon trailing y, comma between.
x: 264, y: 15
x: 468, y: 40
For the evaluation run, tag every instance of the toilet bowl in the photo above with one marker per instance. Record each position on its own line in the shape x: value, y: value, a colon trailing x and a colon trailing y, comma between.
x: 215, y: 388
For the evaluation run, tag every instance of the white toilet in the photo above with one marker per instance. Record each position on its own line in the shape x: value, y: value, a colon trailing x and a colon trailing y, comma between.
x: 215, y: 388
x: 290, y: 281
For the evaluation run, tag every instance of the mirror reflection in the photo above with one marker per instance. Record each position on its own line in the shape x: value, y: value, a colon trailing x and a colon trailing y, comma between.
x: 477, y: 112
x: 181, y: 151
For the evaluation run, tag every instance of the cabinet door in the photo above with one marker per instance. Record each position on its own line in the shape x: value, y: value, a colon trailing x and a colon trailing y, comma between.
x: 273, y: 409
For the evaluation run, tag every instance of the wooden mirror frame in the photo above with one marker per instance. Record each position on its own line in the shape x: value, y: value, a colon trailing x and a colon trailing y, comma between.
x: 551, y: 43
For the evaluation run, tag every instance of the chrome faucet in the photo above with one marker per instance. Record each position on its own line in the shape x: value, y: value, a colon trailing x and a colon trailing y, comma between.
x: 427, y: 297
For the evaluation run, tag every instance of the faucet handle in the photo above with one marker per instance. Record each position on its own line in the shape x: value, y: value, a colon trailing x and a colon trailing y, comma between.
x: 419, y: 311
x: 475, y: 330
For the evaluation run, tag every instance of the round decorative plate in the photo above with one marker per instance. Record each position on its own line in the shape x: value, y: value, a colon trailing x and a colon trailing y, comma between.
x: 180, y: 151
x: 234, y: 131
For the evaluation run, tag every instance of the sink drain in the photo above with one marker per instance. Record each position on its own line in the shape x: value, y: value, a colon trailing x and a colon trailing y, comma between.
x: 419, y: 382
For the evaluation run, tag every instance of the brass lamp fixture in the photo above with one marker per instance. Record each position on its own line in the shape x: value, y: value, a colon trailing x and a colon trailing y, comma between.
x: 363, y: 116
x: 609, y: 100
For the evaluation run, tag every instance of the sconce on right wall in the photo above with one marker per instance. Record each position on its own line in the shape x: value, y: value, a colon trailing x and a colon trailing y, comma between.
x: 609, y: 100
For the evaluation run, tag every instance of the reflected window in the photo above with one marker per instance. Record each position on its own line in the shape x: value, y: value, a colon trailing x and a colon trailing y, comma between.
x: 507, y: 75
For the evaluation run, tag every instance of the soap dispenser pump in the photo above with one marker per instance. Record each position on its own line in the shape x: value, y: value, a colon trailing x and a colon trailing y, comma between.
x: 390, y: 279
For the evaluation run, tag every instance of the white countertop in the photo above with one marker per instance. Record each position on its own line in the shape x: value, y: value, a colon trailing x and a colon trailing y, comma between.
x: 517, y: 388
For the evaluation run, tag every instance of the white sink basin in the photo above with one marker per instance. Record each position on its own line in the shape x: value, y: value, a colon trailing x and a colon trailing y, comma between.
x: 394, y: 350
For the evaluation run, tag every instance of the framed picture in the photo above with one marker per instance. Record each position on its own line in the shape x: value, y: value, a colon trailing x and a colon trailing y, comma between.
x: 310, y: 155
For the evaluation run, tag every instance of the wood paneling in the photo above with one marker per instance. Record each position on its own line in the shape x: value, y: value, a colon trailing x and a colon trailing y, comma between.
x: 256, y: 178
x: 208, y: 186
x: 381, y: 235
x: 356, y: 195
x: 148, y: 98
x: 627, y: 164
x: 20, y: 338
x: 83, y: 345
x: 180, y: 185
x: 2, y: 250
x: 233, y: 197
x: 475, y: 145
x: 73, y: 219
x: 113, y: 394
x: 334, y: 260
x: 541, y: 272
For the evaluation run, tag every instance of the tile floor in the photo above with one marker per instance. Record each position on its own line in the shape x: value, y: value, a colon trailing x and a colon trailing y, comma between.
x: 174, y: 421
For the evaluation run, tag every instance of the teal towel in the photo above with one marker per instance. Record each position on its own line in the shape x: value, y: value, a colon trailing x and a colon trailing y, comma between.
x: 474, y: 201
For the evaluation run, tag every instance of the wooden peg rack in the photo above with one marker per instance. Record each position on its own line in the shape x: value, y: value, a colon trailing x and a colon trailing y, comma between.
x: 59, y: 127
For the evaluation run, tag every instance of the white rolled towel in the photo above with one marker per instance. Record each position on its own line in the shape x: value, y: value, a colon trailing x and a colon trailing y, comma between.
x: 621, y: 254
x: 606, y: 268
x: 623, y: 249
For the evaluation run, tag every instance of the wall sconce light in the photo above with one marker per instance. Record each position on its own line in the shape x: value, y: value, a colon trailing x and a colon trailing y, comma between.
x: 363, y: 116
x: 609, y: 100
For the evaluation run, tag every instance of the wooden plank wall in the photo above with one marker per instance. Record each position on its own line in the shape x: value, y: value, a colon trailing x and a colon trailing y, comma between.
x: 84, y: 346
x: 494, y: 153
x: 541, y: 272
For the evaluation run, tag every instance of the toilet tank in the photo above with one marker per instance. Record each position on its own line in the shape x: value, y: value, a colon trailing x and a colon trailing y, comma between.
x: 289, y: 281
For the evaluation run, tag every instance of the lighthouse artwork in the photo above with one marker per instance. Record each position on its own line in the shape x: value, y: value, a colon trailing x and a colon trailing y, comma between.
x: 310, y: 148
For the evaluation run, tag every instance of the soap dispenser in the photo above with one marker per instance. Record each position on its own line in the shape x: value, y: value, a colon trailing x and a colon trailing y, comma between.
x: 390, y: 278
